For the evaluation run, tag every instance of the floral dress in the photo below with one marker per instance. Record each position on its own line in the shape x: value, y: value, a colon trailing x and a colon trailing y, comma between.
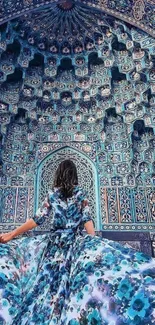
x: 67, y: 278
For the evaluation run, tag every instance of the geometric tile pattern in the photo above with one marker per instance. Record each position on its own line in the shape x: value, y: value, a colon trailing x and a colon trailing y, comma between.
x: 82, y: 88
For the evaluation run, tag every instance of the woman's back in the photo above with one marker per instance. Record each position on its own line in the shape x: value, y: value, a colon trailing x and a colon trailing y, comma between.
x: 68, y: 213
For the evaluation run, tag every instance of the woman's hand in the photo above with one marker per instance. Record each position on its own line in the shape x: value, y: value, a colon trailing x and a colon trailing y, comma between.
x: 4, y: 238
x: 28, y: 225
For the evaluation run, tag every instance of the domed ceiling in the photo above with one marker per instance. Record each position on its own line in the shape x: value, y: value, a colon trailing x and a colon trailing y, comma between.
x: 69, y: 57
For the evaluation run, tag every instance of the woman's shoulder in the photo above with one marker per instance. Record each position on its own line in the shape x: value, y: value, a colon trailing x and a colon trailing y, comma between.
x: 52, y: 193
x: 79, y: 192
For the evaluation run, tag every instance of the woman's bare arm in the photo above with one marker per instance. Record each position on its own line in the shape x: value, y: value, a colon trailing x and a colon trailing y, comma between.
x: 38, y: 219
x: 28, y: 225
x: 90, y: 228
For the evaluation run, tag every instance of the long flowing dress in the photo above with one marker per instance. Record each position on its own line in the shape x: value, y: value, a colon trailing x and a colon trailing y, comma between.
x: 67, y: 278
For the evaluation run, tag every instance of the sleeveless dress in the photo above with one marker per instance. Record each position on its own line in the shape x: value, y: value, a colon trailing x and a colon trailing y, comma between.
x: 67, y: 278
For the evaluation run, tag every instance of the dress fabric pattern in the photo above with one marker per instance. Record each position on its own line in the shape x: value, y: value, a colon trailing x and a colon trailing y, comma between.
x: 67, y: 278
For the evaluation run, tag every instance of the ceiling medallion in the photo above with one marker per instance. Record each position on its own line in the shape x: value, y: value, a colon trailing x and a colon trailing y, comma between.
x: 66, y: 5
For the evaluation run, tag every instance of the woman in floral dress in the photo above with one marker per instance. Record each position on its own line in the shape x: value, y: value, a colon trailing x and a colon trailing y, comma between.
x: 66, y: 278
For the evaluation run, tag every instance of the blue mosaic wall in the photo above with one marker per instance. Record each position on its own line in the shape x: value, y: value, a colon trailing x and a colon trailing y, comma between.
x: 77, y: 82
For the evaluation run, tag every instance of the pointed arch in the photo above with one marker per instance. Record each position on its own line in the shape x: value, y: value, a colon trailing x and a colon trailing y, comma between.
x: 87, y: 175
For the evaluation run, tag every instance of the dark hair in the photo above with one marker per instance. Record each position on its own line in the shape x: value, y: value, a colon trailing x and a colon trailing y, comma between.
x: 66, y: 177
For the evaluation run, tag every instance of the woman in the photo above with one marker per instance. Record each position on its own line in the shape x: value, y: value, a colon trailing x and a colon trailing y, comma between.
x: 67, y: 278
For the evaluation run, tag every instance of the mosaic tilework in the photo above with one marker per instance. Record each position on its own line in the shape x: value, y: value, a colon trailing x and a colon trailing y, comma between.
x: 137, y: 12
x: 82, y: 89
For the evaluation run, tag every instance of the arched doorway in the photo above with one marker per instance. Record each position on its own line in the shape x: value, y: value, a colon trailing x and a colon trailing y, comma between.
x: 87, y: 176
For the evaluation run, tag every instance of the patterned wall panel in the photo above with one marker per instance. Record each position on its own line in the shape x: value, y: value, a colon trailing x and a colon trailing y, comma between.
x: 112, y: 205
x: 9, y: 205
x: 150, y: 197
x: 22, y: 205
x: 125, y: 205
